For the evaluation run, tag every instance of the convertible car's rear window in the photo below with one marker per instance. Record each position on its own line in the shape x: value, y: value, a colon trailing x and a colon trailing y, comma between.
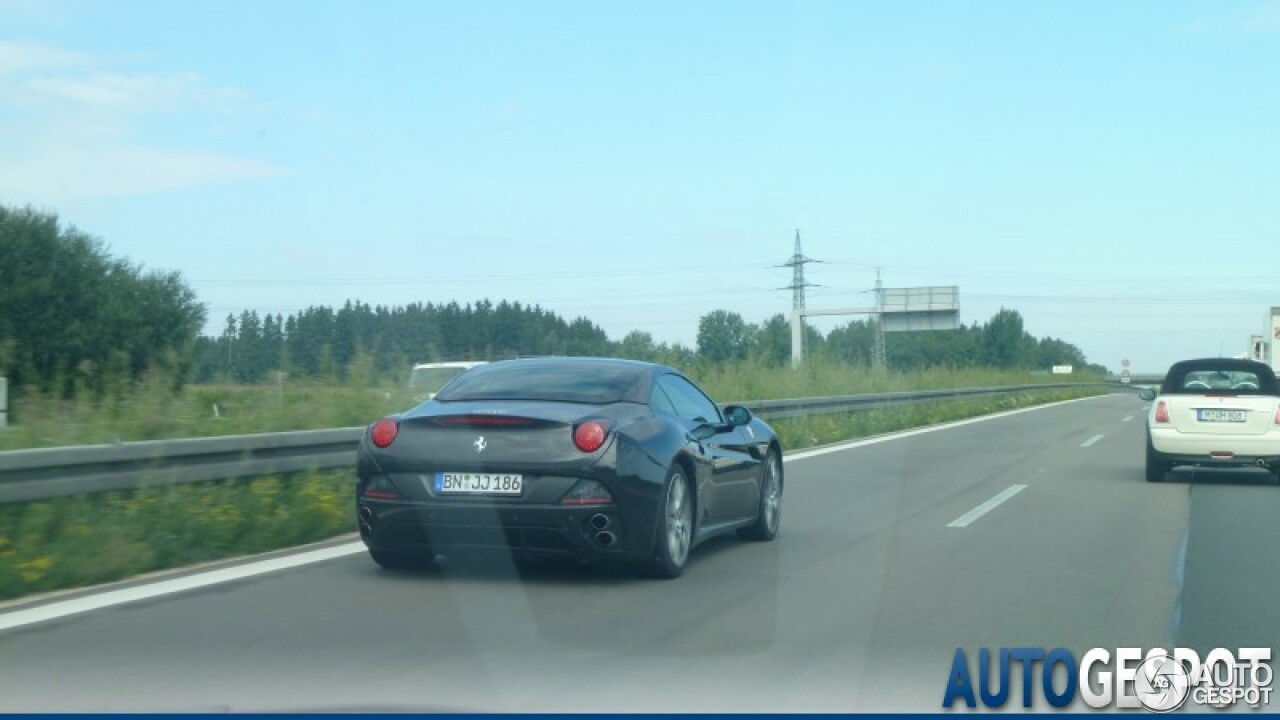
x: 1198, y: 379
x: 587, y: 383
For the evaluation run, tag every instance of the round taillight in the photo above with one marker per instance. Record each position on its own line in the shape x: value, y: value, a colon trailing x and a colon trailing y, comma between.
x: 384, y: 432
x: 589, y: 436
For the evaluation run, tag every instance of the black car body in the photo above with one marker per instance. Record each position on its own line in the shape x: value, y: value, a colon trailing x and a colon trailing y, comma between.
x: 590, y: 458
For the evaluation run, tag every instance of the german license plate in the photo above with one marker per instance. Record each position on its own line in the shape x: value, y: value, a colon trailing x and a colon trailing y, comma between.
x: 1221, y: 415
x: 450, y: 483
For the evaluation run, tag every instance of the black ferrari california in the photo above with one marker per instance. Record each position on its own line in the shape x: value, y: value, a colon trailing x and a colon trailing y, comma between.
x: 588, y: 458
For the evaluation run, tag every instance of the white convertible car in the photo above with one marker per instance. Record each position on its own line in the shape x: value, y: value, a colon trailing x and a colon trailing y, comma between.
x: 1215, y: 412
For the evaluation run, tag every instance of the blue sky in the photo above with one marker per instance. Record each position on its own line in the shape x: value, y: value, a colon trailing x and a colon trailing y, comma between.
x: 1108, y: 169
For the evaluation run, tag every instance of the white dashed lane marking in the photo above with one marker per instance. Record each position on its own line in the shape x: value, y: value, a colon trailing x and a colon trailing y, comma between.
x: 966, y: 519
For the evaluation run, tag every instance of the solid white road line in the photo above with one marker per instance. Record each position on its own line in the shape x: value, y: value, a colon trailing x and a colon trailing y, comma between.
x: 966, y: 519
x: 1127, y: 418
x: 63, y: 608
x: 803, y: 454
x: 1091, y: 441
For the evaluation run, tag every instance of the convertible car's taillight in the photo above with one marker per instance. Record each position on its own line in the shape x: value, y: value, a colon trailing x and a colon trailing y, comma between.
x: 384, y: 432
x: 1278, y: 415
x: 1162, y: 412
x: 590, y: 435
x: 587, y: 492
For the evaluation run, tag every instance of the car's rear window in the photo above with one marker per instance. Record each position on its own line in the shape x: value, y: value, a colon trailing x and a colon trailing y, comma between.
x: 1224, y: 379
x: 590, y: 383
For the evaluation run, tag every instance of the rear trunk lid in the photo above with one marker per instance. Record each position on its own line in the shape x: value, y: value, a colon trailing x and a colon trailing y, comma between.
x: 492, y: 436
x: 1221, y: 413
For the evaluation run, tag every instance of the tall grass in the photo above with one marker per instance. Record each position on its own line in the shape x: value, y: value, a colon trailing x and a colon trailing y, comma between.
x: 152, y: 409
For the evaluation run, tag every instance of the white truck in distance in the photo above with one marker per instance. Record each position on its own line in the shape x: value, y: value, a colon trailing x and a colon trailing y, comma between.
x: 426, y: 379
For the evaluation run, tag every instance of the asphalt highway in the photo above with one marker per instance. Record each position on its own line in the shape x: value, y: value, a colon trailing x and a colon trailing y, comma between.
x: 1030, y: 529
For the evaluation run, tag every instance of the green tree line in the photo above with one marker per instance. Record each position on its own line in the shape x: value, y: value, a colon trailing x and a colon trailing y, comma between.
x: 322, y: 342
x: 1002, y: 342
x: 72, y: 315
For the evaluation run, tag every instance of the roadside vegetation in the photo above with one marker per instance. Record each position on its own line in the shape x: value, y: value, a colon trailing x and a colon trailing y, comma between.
x: 796, y: 433
x: 154, y: 408
x: 86, y: 539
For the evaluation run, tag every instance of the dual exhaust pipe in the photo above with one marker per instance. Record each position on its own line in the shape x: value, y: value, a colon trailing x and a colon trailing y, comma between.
x: 603, y: 537
x: 366, y: 521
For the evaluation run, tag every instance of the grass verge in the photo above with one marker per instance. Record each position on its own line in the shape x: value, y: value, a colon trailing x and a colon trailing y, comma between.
x: 84, y: 540
x: 152, y: 410
x: 805, y: 432
x: 89, y: 539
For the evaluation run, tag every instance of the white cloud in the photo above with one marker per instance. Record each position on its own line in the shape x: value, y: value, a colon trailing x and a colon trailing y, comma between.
x: 21, y: 56
x: 77, y: 129
x: 136, y: 93
x: 60, y: 175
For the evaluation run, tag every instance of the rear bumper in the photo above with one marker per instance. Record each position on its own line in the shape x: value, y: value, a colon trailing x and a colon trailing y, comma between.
x: 597, y: 533
x: 1196, y: 449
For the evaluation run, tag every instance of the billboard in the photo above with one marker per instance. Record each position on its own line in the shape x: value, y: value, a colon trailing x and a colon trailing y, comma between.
x: 920, y: 308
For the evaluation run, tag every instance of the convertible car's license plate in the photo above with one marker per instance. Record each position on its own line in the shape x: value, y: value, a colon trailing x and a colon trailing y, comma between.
x: 478, y: 483
x: 1221, y: 415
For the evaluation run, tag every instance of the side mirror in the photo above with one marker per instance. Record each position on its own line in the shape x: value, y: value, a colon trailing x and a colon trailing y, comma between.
x: 703, y: 431
x: 1147, y: 394
x: 736, y: 415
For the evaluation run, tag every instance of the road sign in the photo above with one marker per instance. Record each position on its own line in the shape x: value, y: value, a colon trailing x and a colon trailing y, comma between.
x: 1125, y: 376
x: 1124, y: 362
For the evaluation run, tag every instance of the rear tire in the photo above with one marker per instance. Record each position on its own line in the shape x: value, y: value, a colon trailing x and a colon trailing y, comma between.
x: 769, y: 509
x: 1157, y: 468
x: 674, y: 537
x: 400, y: 560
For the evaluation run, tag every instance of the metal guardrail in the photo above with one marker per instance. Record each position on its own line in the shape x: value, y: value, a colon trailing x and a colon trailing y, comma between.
x: 44, y: 473
x: 1137, y: 379
x: 54, y: 472
x: 782, y: 409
